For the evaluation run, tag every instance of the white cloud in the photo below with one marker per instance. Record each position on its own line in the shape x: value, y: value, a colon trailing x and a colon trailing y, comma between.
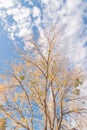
x: 24, y: 31
x: 7, y: 3
x: 45, y: 1
x: 69, y: 14
x: 73, y: 5
x: 19, y: 14
x: 36, y: 12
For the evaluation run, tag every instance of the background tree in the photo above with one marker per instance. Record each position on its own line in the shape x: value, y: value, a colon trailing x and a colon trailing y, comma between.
x: 42, y: 89
x: 2, y: 124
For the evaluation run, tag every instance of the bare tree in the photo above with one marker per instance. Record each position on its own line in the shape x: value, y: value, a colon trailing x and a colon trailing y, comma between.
x: 42, y: 88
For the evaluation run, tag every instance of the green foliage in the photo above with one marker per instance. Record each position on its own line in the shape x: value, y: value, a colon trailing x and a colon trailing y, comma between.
x: 77, y: 82
x: 22, y: 77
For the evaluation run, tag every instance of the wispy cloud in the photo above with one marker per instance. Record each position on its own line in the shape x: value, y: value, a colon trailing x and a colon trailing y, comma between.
x: 70, y: 14
x: 66, y: 13
x: 7, y: 3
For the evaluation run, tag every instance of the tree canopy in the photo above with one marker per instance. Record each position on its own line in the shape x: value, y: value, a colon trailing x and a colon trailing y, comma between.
x: 41, y: 91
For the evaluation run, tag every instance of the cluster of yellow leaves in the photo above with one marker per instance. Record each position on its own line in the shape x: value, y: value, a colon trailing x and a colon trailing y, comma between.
x: 3, y: 88
x: 2, y: 123
x: 17, y: 68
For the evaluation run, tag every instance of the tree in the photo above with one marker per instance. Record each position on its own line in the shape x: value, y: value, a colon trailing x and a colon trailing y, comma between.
x: 42, y: 89
x: 2, y: 124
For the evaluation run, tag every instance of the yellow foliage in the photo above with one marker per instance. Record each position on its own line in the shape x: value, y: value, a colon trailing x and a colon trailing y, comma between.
x: 3, y: 88
x: 2, y: 122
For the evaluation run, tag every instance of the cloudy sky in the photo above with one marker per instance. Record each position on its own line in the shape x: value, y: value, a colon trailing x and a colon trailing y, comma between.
x: 20, y: 18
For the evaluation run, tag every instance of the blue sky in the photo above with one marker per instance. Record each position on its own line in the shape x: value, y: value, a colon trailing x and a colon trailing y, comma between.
x: 22, y: 18
x: 6, y: 47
